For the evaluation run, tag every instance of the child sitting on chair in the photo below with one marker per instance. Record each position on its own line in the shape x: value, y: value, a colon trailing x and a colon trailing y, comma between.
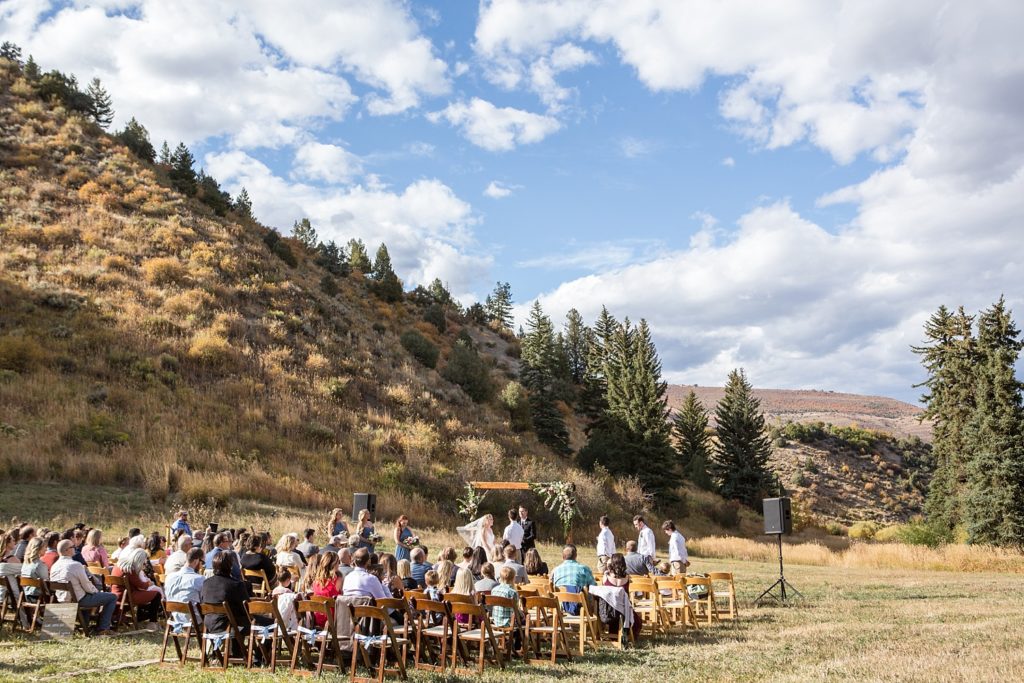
x: 284, y: 583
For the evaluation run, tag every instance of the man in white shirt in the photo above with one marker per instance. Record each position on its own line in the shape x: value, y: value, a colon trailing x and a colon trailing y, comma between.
x: 514, y: 533
x: 360, y: 582
x: 185, y: 584
x: 605, y: 544
x: 677, y: 556
x: 344, y: 562
x: 646, y: 546
x: 67, y: 570
x: 179, y: 558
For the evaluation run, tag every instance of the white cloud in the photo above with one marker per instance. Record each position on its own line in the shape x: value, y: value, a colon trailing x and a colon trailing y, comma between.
x: 728, y: 162
x: 329, y: 163
x: 497, y: 129
x: 596, y: 257
x: 633, y: 147
x: 499, y: 190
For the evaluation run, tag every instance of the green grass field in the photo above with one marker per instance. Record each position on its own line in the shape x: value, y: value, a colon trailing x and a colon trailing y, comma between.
x: 857, y: 624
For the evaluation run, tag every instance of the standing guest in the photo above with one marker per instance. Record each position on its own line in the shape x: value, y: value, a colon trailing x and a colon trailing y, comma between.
x: 307, y: 547
x: 534, y: 565
x: 50, y: 554
x: 179, y: 558
x: 122, y: 543
x: 502, y: 616
x: 360, y: 582
x: 93, y: 550
x: 514, y: 533
x: 287, y: 557
x: 326, y: 582
x: 446, y: 573
x: 155, y: 549
x: 145, y: 595
x: 336, y: 544
x: 420, y: 567
x: 222, y: 588
x: 486, y: 583
x: 636, y: 564
x: 677, y: 556
x: 34, y: 568
x: 529, y: 529
x: 646, y: 545
x: 254, y: 559
x: 405, y: 574
x: 477, y: 562
x: 336, y: 524
x: 181, y: 524
x: 344, y: 562
x: 403, y: 536
x: 605, y: 543
x: 366, y: 531
x: 66, y: 570
x: 185, y: 584
x: 26, y: 534
x: 510, y: 561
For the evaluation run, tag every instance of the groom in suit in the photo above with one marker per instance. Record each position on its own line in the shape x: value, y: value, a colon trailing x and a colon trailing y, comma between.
x: 529, y: 530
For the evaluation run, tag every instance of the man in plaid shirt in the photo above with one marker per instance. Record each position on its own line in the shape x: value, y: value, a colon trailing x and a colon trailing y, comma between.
x: 571, y: 574
x: 502, y: 616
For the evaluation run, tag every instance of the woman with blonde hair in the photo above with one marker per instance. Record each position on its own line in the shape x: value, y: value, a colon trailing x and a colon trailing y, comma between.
x: 403, y: 537
x: 445, y: 573
x: 93, y: 550
x: 404, y: 571
x: 336, y: 524
x: 463, y: 586
x: 287, y: 557
x: 34, y: 568
x: 365, y: 530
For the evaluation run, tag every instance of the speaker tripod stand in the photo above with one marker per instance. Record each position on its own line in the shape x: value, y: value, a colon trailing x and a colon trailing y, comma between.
x: 782, y: 598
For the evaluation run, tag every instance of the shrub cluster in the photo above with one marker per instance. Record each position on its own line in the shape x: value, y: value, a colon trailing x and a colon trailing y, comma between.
x: 421, y: 348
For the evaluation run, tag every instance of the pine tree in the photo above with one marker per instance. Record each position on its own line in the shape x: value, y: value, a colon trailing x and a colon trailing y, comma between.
x: 468, y: 370
x: 165, y: 154
x: 593, y: 402
x: 499, y: 306
x: 136, y: 138
x: 358, y: 257
x: 305, y: 233
x: 101, y: 107
x: 994, y: 499
x: 332, y: 258
x: 32, y: 70
x: 11, y: 52
x: 243, y: 205
x: 182, y: 175
x: 577, y: 346
x: 693, y: 443
x: 386, y: 284
x: 739, y: 461
x: 439, y: 293
x: 541, y: 358
x: 209, y: 192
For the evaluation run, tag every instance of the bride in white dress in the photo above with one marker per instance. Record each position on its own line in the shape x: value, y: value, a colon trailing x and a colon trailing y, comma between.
x: 479, y: 533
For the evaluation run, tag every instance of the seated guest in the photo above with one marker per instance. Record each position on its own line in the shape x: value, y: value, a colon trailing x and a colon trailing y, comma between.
x: 479, y: 560
x: 447, y: 553
x: 335, y: 545
x: 93, y: 550
x: 534, y: 565
x: 155, y: 549
x: 463, y: 586
x: 254, y: 559
x: 511, y: 554
x: 50, y: 553
x: 66, y: 570
x: 287, y: 557
x: 571, y: 574
x: 145, y: 594
x: 26, y: 534
x: 360, y: 582
x: 34, y: 568
x: 636, y: 564
x: 223, y: 587
x: 389, y: 575
x: 420, y: 567
x: 284, y: 583
x: 220, y: 542
x: 186, y: 583
x: 344, y: 562
x: 326, y: 582
x: 502, y: 616
x: 486, y: 583
x: 305, y: 582
x: 498, y: 554
x: 122, y: 543
x: 615, y: 574
x: 434, y: 589
x: 446, y: 572
x: 405, y: 575
x: 181, y: 524
x: 307, y: 548
x: 467, y: 558
x: 179, y: 558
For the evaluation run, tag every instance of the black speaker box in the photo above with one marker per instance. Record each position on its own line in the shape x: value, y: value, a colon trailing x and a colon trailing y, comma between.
x: 778, y: 516
x: 364, y: 501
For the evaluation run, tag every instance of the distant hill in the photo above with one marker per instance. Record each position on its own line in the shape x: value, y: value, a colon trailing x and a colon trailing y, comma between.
x: 807, y: 406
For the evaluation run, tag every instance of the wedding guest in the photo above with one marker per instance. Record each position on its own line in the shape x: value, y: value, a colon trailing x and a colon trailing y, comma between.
x: 254, y: 559
x: 284, y: 583
x: 145, y: 594
x: 179, y: 558
x: 502, y: 616
x: 307, y: 548
x: 463, y: 586
x: 677, y: 556
x: 646, y: 544
x: 122, y: 543
x: 403, y: 534
x: 477, y: 562
x: 467, y: 557
x: 26, y: 534
x: 534, y: 565
x: 93, y: 550
x: 486, y: 583
x: 636, y: 564
x: 510, y: 561
x: 336, y: 544
x: 181, y: 524
x: 617, y: 575
x: 390, y: 577
x: 222, y: 588
x: 605, y: 543
x: 420, y: 567
x: 446, y: 573
x: 344, y: 562
x: 34, y: 568
x: 362, y: 583
x: 185, y: 584
x: 405, y: 574
x: 326, y: 582
x: 66, y: 570
x: 155, y: 549
x: 287, y: 557
x: 434, y: 589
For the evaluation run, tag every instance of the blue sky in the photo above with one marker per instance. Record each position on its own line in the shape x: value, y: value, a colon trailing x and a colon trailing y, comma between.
x: 789, y: 187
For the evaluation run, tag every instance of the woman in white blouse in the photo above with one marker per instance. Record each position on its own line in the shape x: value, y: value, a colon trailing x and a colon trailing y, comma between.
x: 287, y: 557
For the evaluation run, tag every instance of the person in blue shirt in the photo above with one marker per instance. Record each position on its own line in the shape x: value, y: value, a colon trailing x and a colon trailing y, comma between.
x: 221, y: 543
x: 181, y: 523
x: 185, y: 585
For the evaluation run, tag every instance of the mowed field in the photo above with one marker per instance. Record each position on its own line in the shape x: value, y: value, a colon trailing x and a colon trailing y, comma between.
x: 857, y: 624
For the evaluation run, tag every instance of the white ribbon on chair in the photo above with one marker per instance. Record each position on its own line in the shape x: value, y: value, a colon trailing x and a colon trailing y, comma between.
x: 310, y: 634
x: 264, y: 632
x: 216, y: 639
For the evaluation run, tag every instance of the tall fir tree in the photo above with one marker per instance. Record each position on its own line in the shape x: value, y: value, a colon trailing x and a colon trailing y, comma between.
x: 136, y: 138
x: 386, y: 284
x: 32, y: 71
x: 165, y: 154
x: 593, y: 401
x: 499, y: 306
x: 541, y: 360
x: 577, y: 346
x: 994, y: 499
x: 305, y: 233
x: 183, y: 176
x: 693, y: 442
x: 358, y: 257
x: 101, y: 107
x: 242, y: 204
x: 739, y: 461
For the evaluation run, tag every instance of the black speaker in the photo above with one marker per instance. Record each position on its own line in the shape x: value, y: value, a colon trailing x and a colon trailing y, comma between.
x: 364, y: 501
x: 778, y: 517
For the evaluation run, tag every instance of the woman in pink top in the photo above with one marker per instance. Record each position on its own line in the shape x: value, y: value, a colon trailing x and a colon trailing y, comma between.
x: 93, y: 550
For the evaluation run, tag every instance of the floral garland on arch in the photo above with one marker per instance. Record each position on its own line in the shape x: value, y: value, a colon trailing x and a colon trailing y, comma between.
x: 560, y: 498
x: 470, y: 503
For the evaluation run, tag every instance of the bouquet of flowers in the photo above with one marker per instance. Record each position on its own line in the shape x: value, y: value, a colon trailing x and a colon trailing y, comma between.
x: 375, y: 538
x: 413, y: 541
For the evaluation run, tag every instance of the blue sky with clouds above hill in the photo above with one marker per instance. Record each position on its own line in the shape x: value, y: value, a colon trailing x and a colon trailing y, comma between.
x: 791, y: 187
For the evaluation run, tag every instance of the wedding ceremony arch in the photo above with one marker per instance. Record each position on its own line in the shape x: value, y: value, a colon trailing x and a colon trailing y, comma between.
x: 559, y: 497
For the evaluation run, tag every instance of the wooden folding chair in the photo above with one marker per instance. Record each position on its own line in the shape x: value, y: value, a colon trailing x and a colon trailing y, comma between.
x: 176, y: 631
x: 404, y: 632
x: 98, y: 570
x: 29, y: 606
x: 433, y: 627
x: 624, y: 634
x: 411, y: 596
x: 586, y: 622
x: 220, y: 643
x: 647, y: 604
x: 84, y: 613
x: 705, y: 605
x: 362, y: 643
x: 10, y: 602
x: 541, y: 583
x: 277, y: 632
x: 125, y: 606
x: 679, y: 609
x: 506, y: 635
x: 310, y: 639
x: 482, y: 635
x: 259, y: 584
x: 544, y: 621
x: 733, y: 611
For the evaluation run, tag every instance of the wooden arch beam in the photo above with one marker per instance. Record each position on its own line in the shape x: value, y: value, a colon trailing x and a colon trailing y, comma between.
x: 501, y: 485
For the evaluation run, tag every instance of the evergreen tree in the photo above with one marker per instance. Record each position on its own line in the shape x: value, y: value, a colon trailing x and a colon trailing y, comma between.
x: 101, y: 107
x: 59, y: 87
x: 358, y: 257
x: 517, y: 402
x: 693, y: 443
x: 305, y: 233
x: 950, y: 356
x: 136, y: 138
x: 165, y: 154
x: 440, y: 294
x: 739, y: 461
x: 477, y: 314
x: 466, y: 368
x: 499, y: 306
x: 209, y: 192
x: 994, y: 500
x: 541, y: 358
x: 577, y: 346
x: 243, y: 205
x: 593, y: 401
x: 32, y: 70
x: 332, y: 258
x: 386, y: 284
x: 11, y: 52
x: 182, y: 175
